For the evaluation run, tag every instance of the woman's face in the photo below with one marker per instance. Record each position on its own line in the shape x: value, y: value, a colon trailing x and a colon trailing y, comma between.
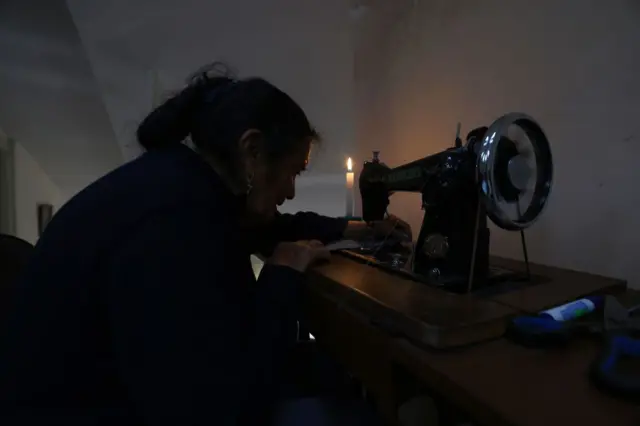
x: 274, y: 182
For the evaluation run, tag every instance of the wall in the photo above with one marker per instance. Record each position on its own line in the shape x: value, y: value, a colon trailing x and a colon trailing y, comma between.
x: 32, y: 186
x: 50, y: 100
x: 574, y: 69
x: 7, y: 210
x: 324, y: 194
x: 302, y: 47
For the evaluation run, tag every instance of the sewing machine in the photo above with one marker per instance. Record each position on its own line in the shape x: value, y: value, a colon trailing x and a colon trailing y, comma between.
x: 491, y: 175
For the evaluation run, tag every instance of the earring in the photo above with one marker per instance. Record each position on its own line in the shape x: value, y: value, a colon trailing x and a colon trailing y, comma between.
x: 249, y: 183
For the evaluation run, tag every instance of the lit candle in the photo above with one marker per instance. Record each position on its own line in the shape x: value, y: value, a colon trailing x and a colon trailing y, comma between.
x: 349, y: 188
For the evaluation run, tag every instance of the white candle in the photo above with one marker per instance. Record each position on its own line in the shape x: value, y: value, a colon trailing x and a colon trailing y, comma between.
x: 349, y: 188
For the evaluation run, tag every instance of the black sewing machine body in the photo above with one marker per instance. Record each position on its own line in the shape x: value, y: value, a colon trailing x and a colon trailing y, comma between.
x: 458, y: 186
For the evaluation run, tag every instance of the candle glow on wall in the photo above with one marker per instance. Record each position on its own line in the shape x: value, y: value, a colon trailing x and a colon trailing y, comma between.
x: 349, y: 212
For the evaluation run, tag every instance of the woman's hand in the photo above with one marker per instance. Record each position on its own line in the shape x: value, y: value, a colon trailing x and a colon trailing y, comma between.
x: 298, y: 255
x: 392, y: 227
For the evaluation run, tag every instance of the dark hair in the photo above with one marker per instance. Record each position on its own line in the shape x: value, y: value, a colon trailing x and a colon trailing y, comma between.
x: 215, y: 111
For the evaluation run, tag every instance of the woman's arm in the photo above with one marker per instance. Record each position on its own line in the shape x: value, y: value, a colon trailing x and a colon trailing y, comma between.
x: 194, y: 342
x: 358, y: 230
x: 297, y: 227
x: 312, y: 226
x: 307, y: 226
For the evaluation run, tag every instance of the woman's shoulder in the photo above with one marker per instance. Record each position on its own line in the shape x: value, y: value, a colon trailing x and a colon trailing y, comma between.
x: 151, y: 181
x: 150, y: 187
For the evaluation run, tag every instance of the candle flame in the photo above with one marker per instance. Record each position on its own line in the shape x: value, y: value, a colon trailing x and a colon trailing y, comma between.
x: 349, y: 164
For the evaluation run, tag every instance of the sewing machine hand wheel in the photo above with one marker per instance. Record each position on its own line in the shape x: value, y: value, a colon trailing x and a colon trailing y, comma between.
x: 509, y: 172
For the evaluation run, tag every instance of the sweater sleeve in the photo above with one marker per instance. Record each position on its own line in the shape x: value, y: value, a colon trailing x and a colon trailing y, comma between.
x: 195, y: 343
x: 301, y: 226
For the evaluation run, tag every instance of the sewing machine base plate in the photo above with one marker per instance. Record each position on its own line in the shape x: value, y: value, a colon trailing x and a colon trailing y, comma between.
x: 501, y: 280
x: 433, y: 317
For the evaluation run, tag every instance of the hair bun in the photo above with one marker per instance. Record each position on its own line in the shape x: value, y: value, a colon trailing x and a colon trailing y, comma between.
x: 170, y: 123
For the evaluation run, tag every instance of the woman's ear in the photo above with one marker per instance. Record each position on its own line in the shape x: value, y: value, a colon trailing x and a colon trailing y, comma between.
x: 250, y: 148
x: 250, y: 144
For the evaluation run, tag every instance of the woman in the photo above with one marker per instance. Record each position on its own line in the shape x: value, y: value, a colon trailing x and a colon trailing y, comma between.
x: 140, y: 305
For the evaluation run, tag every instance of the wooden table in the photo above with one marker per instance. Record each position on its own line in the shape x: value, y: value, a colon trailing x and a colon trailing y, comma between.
x: 495, y: 382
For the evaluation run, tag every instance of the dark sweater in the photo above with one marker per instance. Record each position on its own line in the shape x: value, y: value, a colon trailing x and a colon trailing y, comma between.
x: 140, y: 305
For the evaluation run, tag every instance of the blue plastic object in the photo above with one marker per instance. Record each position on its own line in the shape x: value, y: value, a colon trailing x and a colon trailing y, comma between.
x: 605, y: 374
x: 573, y: 310
x: 538, y: 331
x: 542, y: 330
